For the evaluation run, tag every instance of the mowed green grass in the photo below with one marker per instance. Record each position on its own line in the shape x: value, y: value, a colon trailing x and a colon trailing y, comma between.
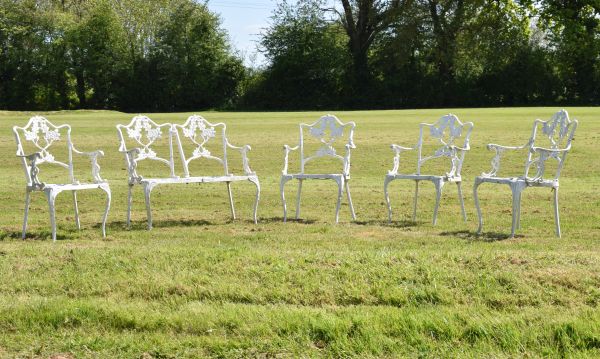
x: 201, y: 285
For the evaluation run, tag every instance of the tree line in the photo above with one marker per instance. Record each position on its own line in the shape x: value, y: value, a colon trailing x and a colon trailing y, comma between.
x: 173, y: 55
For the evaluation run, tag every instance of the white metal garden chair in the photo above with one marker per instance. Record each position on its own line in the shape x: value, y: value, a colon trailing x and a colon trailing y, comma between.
x: 326, y: 130
x: 41, y: 134
x: 448, y: 131
x: 558, y: 132
x: 144, y: 132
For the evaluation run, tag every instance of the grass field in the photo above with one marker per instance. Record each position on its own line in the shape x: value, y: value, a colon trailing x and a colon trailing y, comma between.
x: 201, y: 285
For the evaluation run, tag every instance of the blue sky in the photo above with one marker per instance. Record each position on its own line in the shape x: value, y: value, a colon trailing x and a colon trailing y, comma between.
x: 244, y: 20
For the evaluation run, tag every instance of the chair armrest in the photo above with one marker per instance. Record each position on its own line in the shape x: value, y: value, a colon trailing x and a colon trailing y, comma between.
x: 245, y: 161
x: 397, y: 151
x: 132, y: 164
x: 499, y: 150
x: 287, y: 149
x: 34, y: 169
x: 93, y: 156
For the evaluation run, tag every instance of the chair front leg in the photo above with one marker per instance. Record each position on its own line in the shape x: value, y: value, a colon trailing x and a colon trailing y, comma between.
x: 298, y: 199
x: 350, y: 200
x: 516, y: 189
x: 257, y: 184
x: 27, y: 202
x: 51, y: 197
x: 462, y: 201
x: 282, y: 192
x: 148, y: 187
x: 438, y: 195
x: 416, y: 201
x: 231, y: 200
x: 556, y: 215
x: 106, y: 189
x: 129, y: 204
x: 76, y: 209
x: 340, y: 183
x: 476, y: 199
x: 386, y: 183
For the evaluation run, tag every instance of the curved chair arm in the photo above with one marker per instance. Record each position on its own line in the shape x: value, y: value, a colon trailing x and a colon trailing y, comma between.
x: 499, y: 150
x: 34, y: 169
x: 132, y: 164
x: 93, y: 156
x: 397, y: 151
x: 544, y: 155
x: 287, y: 149
x: 245, y: 161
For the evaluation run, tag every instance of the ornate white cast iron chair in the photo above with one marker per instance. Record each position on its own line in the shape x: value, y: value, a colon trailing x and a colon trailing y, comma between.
x: 559, y: 132
x: 41, y: 135
x: 145, y: 132
x: 448, y: 131
x: 326, y: 131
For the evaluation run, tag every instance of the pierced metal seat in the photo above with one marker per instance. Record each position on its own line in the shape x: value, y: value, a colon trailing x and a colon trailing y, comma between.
x: 559, y: 132
x: 448, y: 130
x: 42, y: 134
x: 325, y: 131
x: 199, y: 132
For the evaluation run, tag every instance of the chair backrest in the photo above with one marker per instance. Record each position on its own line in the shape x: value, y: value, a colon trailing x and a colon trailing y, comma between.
x: 42, y: 134
x: 452, y: 135
x: 200, y: 132
x: 329, y: 131
x: 555, y: 134
x: 145, y: 132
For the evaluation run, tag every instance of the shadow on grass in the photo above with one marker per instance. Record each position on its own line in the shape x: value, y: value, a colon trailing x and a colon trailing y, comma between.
x: 143, y: 225
x: 34, y: 236
x: 484, y: 237
x: 280, y: 220
x: 393, y: 224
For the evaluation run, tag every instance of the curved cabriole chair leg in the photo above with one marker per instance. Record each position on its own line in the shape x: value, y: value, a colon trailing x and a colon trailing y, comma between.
x: 257, y: 199
x: 340, y: 182
x: 51, y: 196
x: 477, y: 206
x: 438, y: 195
x: 350, y: 201
x: 282, y: 192
x: 106, y: 189
x: 462, y: 201
x: 27, y: 202
x: 386, y: 183
x: 298, y: 199
x: 516, y: 205
x: 147, y: 191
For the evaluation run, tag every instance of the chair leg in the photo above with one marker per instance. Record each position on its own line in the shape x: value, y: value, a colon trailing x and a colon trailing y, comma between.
x: 282, y: 191
x: 462, y: 201
x: 340, y: 183
x: 231, y: 200
x: 416, y: 199
x: 129, y: 204
x: 298, y: 199
x: 386, y: 183
x: 51, y: 196
x: 519, y: 211
x: 147, y: 191
x: 556, y: 216
x: 476, y: 198
x: 438, y: 195
x: 257, y: 184
x: 516, y: 205
x: 27, y: 202
x: 76, y: 208
x: 106, y: 189
x: 350, y: 201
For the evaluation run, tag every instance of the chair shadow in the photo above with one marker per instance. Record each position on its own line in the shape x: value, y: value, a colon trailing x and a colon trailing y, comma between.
x: 143, y: 224
x: 280, y: 220
x: 483, y: 237
x: 34, y: 236
x: 393, y: 224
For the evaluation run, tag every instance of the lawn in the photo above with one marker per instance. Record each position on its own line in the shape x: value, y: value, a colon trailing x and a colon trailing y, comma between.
x: 201, y: 285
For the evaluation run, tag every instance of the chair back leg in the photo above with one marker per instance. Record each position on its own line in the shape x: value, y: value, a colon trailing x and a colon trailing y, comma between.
x: 477, y: 206
x: 556, y: 215
x: 350, y: 201
x: 438, y: 195
x: 298, y: 198
x: 76, y: 209
x: 106, y: 189
x: 231, y: 200
x: 129, y: 204
x: 462, y: 201
x: 282, y: 192
x: 386, y: 183
x: 27, y: 202
x: 257, y: 184
x: 147, y: 192
x: 340, y: 183
x: 416, y: 201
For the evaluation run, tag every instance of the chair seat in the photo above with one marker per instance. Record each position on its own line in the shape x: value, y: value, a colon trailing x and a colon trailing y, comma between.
x: 313, y: 175
x: 203, y: 179
x: 71, y: 186
x: 530, y: 182
x: 417, y: 177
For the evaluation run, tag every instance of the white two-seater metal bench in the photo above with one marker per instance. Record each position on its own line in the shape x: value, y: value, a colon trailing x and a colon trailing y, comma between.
x: 198, y: 132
